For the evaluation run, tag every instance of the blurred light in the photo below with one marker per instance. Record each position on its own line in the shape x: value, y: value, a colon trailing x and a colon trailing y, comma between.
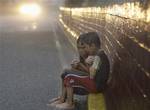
x: 148, y: 15
x: 73, y: 33
x: 34, y: 27
x: 30, y: 9
x: 60, y: 16
x: 127, y: 10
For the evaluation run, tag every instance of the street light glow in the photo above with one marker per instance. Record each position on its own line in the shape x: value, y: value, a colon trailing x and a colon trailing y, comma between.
x: 30, y: 9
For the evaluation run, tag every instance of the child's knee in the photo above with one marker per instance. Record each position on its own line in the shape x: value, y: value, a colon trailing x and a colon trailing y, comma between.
x: 68, y: 81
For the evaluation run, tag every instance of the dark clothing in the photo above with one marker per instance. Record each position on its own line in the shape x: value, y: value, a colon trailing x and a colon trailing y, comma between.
x: 102, y: 72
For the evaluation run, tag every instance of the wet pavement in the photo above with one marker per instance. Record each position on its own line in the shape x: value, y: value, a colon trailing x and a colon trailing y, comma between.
x: 32, y: 56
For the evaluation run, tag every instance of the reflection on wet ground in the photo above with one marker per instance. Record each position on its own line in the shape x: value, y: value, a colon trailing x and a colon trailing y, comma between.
x: 8, y: 23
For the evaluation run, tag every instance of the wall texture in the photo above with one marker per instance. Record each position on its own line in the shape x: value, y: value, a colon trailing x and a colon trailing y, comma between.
x: 125, y: 34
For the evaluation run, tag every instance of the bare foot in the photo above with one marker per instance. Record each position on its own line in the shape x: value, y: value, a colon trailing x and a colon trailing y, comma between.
x: 59, y: 101
x: 54, y: 99
x: 65, y: 106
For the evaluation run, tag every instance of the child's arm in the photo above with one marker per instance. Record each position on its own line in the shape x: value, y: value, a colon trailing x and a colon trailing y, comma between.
x: 80, y: 65
x: 94, y: 66
x: 84, y: 68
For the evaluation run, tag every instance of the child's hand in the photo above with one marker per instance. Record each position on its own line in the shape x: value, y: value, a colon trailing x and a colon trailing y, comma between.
x: 90, y: 60
x: 75, y: 63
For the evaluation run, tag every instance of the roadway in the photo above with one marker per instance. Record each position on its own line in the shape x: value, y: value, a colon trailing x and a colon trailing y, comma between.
x: 32, y: 55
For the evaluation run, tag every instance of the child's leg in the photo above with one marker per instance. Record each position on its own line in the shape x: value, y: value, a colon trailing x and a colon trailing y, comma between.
x: 60, y: 99
x: 69, y: 99
x: 64, y: 93
x: 69, y: 104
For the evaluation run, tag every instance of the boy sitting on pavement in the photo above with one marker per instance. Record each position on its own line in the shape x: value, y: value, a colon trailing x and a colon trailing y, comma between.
x: 92, y: 80
x: 78, y: 67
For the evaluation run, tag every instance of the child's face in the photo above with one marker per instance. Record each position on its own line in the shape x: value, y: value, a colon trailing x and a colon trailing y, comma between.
x: 91, y: 49
x: 81, y: 50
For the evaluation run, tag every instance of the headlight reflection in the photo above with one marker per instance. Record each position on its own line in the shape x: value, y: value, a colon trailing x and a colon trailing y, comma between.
x: 30, y: 9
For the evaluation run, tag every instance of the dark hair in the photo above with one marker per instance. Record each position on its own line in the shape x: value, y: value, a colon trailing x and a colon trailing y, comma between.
x: 90, y: 38
x: 80, y: 39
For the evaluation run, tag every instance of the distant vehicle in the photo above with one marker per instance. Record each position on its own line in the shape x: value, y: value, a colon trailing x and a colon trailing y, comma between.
x: 31, y: 8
